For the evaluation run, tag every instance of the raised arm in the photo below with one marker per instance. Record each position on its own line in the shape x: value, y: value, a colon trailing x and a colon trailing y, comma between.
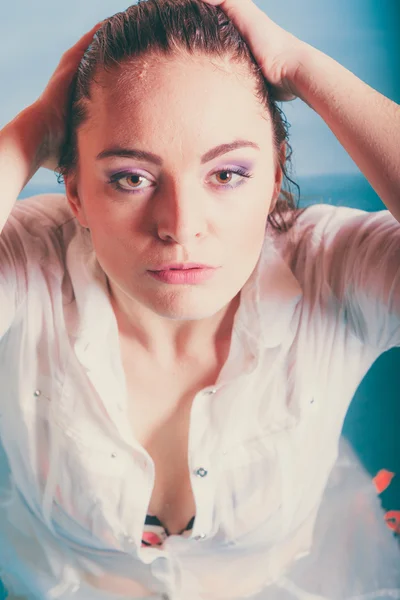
x: 365, y: 122
x: 34, y: 137
x: 22, y: 151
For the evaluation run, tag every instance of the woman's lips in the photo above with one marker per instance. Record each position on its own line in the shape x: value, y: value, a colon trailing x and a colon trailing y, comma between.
x: 184, y: 276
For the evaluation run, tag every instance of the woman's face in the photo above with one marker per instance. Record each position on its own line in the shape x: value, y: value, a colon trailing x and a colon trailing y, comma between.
x: 185, y: 206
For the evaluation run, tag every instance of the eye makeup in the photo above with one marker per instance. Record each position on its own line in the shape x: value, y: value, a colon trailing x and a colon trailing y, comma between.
x: 115, y: 178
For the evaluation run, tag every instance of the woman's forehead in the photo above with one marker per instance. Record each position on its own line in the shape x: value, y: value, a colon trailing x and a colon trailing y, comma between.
x: 179, y: 88
x: 152, y: 71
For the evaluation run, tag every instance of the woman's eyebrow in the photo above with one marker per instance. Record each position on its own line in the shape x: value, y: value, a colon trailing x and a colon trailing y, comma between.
x: 157, y: 160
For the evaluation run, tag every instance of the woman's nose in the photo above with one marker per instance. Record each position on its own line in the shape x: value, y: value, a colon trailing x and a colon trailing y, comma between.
x: 181, y: 219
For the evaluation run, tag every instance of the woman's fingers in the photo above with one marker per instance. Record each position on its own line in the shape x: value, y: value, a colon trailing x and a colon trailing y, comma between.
x: 276, y: 50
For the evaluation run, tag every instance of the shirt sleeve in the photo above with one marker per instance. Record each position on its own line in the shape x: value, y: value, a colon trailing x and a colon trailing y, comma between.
x: 29, y: 251
x: 361, y: 264
x: 13, y: 272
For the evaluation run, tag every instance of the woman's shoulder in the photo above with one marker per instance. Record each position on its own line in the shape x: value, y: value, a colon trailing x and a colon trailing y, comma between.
x: 317, y: 224
x: 321, y: 232
x: 42, y: 209
x: 38, y: 232
x: 40, y: 221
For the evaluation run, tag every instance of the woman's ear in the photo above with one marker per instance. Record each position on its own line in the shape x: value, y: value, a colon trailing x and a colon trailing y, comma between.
x: 74, y: 200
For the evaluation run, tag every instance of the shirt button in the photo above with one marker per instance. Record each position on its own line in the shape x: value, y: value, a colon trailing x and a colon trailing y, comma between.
x: 201, y: 472
x: 200, y: 537
x: 209, y: 392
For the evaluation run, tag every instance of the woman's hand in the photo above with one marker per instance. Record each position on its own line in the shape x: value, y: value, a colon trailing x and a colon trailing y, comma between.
x: 52, y: 104
x: 278, y: 52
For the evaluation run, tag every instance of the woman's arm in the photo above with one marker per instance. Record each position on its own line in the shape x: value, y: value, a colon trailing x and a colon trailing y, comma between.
x: 35, y: 136
x: 365, y: 122
x: 22, y: 152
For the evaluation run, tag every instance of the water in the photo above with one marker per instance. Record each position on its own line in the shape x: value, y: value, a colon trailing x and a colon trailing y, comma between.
x: 351, y: 190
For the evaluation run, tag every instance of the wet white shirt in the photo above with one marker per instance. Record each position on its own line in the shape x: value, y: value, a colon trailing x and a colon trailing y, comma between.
x: 322, y: 304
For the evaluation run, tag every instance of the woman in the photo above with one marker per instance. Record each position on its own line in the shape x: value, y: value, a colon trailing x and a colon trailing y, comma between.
x: 175, y: 432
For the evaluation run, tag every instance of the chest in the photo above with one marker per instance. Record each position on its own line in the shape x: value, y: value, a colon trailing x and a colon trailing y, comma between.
x: 159, y: 410
x: 102, y: 486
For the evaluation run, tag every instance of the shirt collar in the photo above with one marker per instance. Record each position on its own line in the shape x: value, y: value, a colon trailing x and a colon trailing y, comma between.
x: 270, y: 297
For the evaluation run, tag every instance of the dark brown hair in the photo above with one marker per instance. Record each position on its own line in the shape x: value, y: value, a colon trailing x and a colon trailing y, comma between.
x: 164, y: 28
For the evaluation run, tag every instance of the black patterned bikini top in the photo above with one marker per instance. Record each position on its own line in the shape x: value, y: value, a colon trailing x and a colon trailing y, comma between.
x: 155, y: 533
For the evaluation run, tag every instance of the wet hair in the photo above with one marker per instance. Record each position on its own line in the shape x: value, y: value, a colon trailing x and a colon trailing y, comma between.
x: 169, y: 28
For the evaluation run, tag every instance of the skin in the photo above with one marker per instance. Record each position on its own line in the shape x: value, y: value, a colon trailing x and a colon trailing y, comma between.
x: 178, y: 108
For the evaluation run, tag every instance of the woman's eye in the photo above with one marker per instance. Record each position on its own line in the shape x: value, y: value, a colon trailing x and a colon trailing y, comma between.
x: 227, y: 175
x: 115, y: 179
